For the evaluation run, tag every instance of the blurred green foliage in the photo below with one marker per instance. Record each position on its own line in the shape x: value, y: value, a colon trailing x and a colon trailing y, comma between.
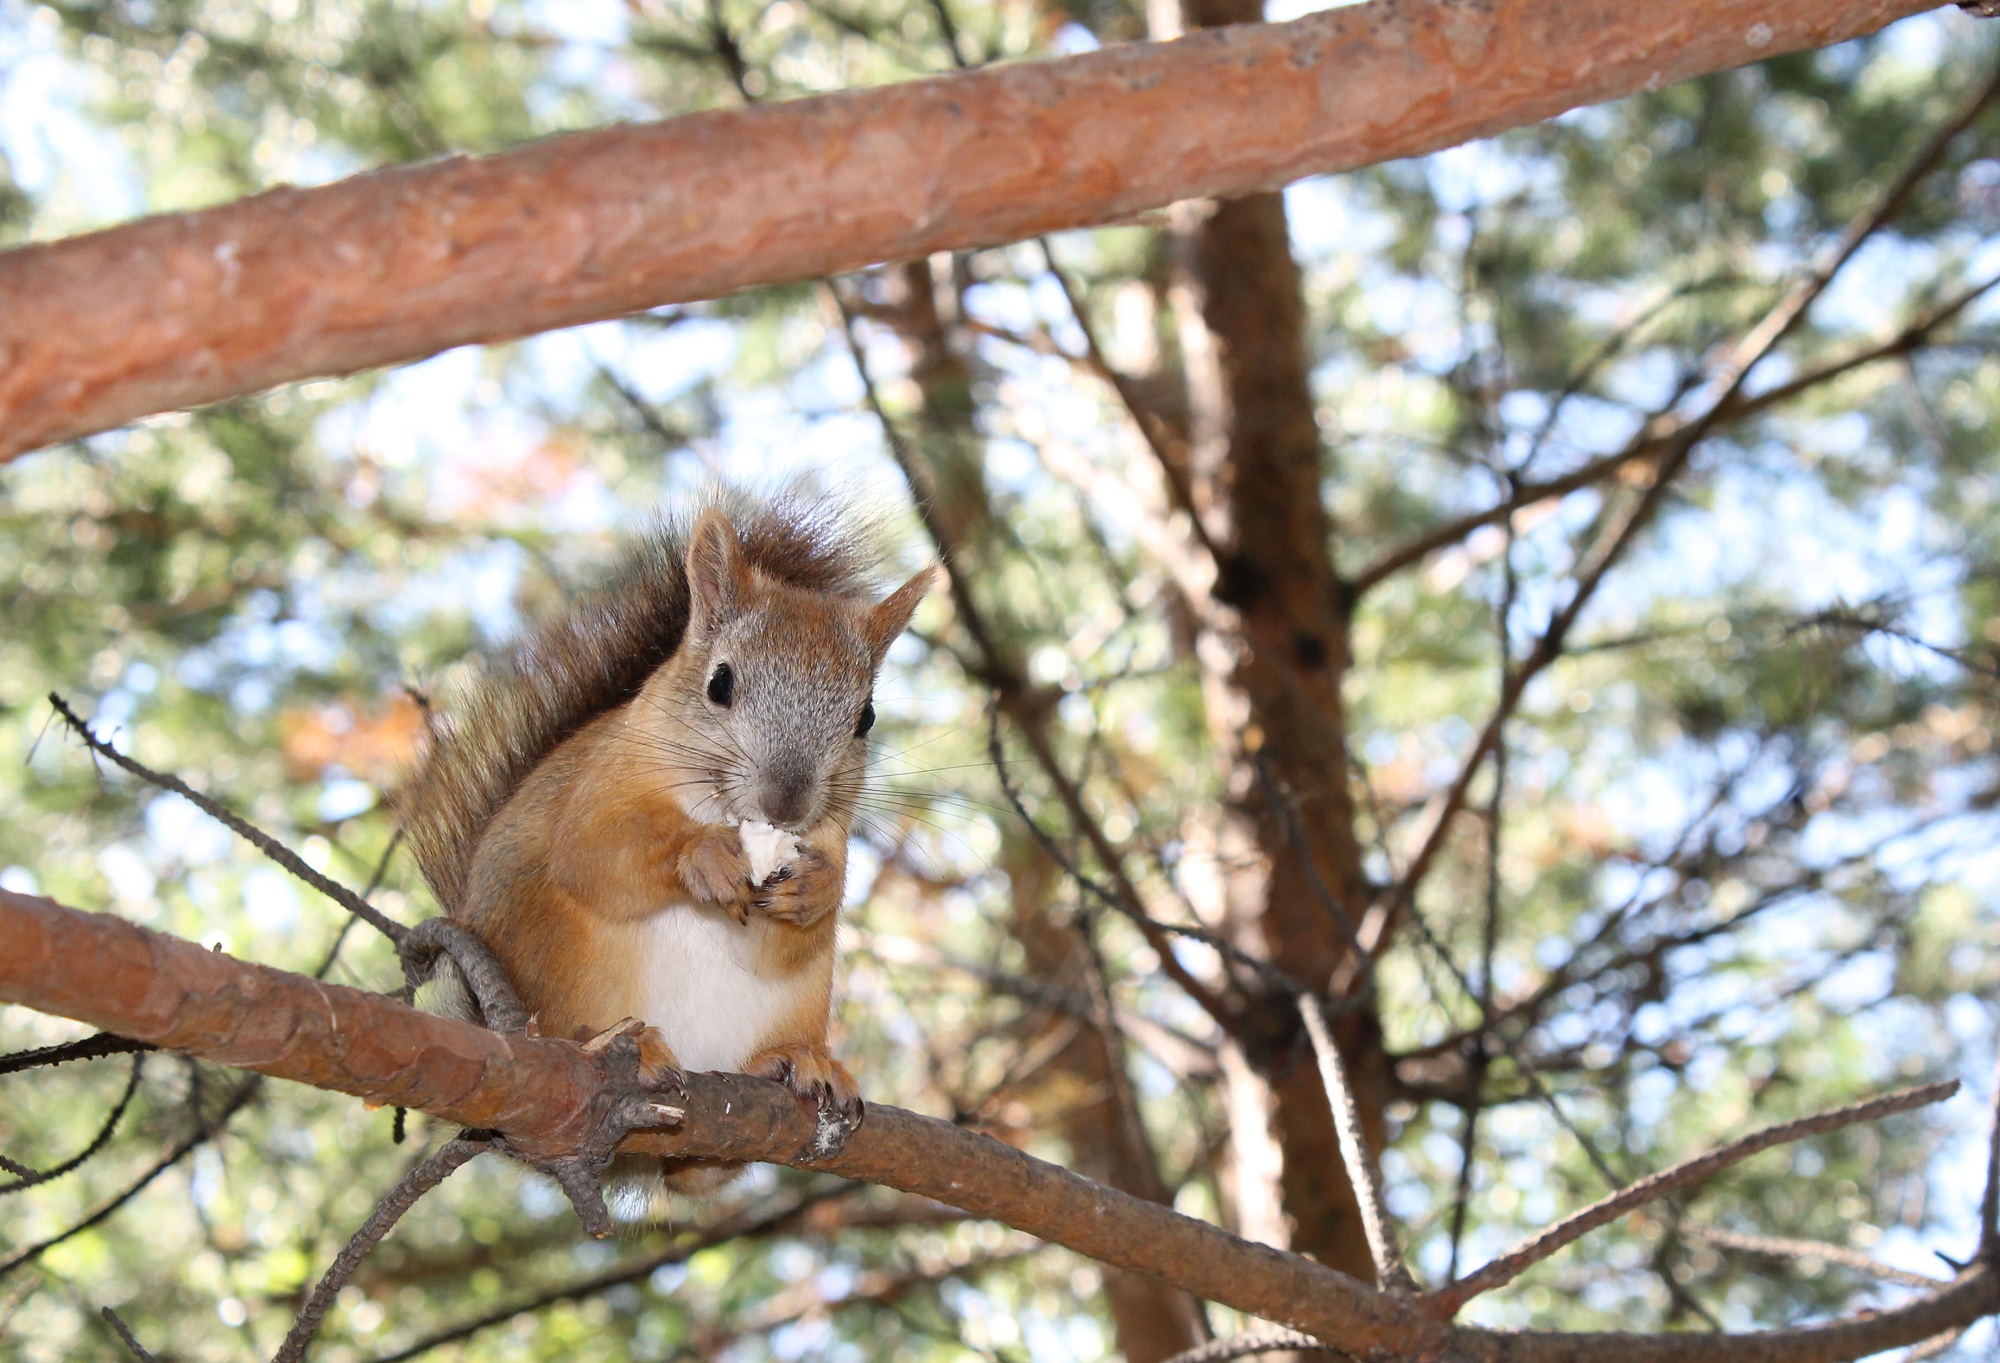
x: 1745, y: 867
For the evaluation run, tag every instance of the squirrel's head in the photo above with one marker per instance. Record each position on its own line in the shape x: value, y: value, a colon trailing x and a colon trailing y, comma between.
x: 768, y: 701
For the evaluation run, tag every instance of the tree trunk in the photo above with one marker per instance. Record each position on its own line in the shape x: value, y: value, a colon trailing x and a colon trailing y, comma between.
x: 1276, y: 706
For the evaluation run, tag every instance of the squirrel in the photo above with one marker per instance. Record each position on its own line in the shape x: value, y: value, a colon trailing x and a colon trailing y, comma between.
x: 604, y: 811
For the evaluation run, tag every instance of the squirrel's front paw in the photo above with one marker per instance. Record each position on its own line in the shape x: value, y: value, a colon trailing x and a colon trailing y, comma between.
x: 713, y: 869
x: 803, y: 892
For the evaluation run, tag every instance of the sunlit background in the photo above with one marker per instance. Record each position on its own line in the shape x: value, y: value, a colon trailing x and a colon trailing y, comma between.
x: 1783, y: 815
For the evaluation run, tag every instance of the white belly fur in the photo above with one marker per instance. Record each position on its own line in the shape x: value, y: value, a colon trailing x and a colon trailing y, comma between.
x: 702, y: 990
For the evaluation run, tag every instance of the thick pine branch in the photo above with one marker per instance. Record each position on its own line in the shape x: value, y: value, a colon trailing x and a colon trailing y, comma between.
x: 175, y: 311
x: 540, y: 1093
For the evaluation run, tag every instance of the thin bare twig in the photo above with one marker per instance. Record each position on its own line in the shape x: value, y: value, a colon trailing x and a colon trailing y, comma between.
x: 1009, y: 687
x: 124, y: 1333
x: 1152, y: 427
x: 88, y: 1048
x: 222, y: 814
x: 1785, y: 1247
x: 1989, y: 1203
x: 29, y: 1178
x: 1619, y: 528
x: 1501, y: 1271
x: 1281, y: 805
x: 426, y: 1175
x: 1530, y: 493
x: 1390, y: 1271
x: 916, y: 477
x: 1479, y: 1057
x: 736, y: 1227
x: 1272, y: 977
x: 878, y: 1290
x: 180, y: 1151
x: 1864, y: 624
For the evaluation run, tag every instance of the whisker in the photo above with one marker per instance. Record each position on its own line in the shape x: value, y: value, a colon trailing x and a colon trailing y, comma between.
x: 982, y: 765
x: 925, y: 799
x: 936, y: 737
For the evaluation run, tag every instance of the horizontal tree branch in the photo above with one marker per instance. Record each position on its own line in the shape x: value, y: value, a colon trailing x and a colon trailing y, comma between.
x: 179, y: 310
x: 180, y: 997
x: 130, y: 980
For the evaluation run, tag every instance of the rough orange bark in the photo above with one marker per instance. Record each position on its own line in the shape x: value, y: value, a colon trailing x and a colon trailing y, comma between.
x: 190, y: 308
x: 150, y: 987
x: 98, y: 969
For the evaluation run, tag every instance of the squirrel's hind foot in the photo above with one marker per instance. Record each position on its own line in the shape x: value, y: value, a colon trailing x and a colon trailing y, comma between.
x: 813, y: 1074
x: 658, y: 1067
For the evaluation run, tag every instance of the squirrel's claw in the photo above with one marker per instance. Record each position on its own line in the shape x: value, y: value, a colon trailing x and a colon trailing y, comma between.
x: 814, y: 1075
x: 804, y: 892
x: 838, y: 1119
x: 658, y: 1067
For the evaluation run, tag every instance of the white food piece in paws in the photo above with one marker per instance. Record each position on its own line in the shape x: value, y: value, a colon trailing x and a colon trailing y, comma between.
x: 769, y: 849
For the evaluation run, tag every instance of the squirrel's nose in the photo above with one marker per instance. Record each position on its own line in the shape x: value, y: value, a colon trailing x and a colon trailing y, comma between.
x: 787, y: 798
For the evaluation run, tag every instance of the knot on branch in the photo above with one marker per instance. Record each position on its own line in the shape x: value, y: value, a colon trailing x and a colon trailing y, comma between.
x: 622, y: 1102
x: 576, y: 1152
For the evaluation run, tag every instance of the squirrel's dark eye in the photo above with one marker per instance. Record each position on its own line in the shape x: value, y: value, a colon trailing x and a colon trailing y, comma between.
x: 722, y: 685
x: 867, y: 721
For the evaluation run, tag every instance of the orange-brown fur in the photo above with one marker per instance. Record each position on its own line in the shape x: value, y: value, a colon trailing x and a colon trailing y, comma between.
x: 584, y: 836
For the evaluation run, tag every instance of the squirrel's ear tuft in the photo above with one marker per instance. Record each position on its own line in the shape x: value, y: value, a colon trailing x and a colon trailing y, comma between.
x: 718, y: 577
x: 889, y: 618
